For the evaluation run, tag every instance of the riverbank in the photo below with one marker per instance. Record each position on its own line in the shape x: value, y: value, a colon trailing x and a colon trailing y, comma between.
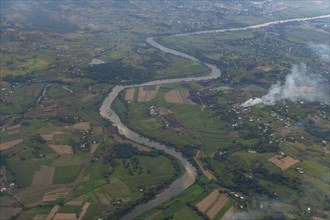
x: 189, y: 177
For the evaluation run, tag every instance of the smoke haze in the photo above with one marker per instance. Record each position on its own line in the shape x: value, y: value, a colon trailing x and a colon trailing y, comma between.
x: 299, y: 85
x: 322, y: 50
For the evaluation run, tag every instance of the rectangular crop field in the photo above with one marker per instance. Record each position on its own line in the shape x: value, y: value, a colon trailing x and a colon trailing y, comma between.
x: 208, y: 201
x: 179, y: 97
x: 129, y: 94
x: 62, y: 148
x: 283, y: 163
x: 217, y: 206
x: 43, y: 176
x: 9, y: 144
x: 146, y: 94
x: 66, y: 174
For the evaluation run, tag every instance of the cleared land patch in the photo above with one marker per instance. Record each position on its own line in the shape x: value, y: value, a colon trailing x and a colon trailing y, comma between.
x: 62, y: 148
x: 8, y: 212
x: 229, y: 215
x: 14, y: 127
x: 129, y: 95
x: 52, y: 136
x: 147, y: 93
x: 43, y: 176
x: 40, y: 217
x: 206, y: 172
x: 56, y: 194
x: 83, y: 210
x: 217, y: 206
x: 7, y: 201
x: 88, y: 97
x: 265, y: 68
x: 65, y: 216
x: 94, y: 147
x: 82, y: 126
x: 208, y: 201
x: 98, y: 130
x: 154, y: 215
x: 75, y: 202
x: 283, y: 163
x: 9, y: 144
x: 52, y: 212
x: 178, y: 97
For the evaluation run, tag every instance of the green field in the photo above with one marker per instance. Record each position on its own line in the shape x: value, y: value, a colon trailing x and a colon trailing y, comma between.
x: 20, y: 99
x: 29, y: 214
x: 178, y: 206
x: 202, y: 128
x: 42, y: 44
x: 180, y: 67
x: 154, y: 171
x: 66, y: 174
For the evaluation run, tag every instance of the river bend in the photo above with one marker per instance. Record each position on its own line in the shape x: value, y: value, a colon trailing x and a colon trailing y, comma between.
x: 189, y: 176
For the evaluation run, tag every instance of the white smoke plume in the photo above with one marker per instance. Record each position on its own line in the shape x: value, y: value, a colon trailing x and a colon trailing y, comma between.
x: 299, y: 85
x: 322, y: 50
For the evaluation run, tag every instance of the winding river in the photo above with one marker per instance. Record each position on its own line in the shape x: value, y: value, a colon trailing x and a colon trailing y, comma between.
x: 188, y: 178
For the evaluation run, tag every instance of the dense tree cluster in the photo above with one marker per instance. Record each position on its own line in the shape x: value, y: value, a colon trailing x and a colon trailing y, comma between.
x: 37, y: 144
x: 117, y: 72
x: 17, y: 78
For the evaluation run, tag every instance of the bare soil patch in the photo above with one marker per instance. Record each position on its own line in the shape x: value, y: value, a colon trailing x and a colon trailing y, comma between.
x: 14, y: 127
x: 140, y: 147
x: 178, y: 97
x: 52, y: 212
x: 8, y: 212
x: 154, y: 215
x: 61, y: 148
x: 129, y: 95
x: 40, y: 217
x: 94, y: 147
x: 76, y: 202
x: 52, y: 136
x: 147, y: 94
x: 217, y: 206
x: 65, y: 216
x: 164, y: 111
x: 49, y: 106
x: 6, y: 200
x: 9, y: 144
x: 56, y: 194
x: 98, y: 130
x: 47, y: 137
x: 265, y: 68
x: 283, y: 163
x: 229, y: 215
x: 208, y: 201
x: 209, y: 175
x: 82, y: 126
x: 83, y: 210
x: 88, y: 97
x: 43, y: 176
